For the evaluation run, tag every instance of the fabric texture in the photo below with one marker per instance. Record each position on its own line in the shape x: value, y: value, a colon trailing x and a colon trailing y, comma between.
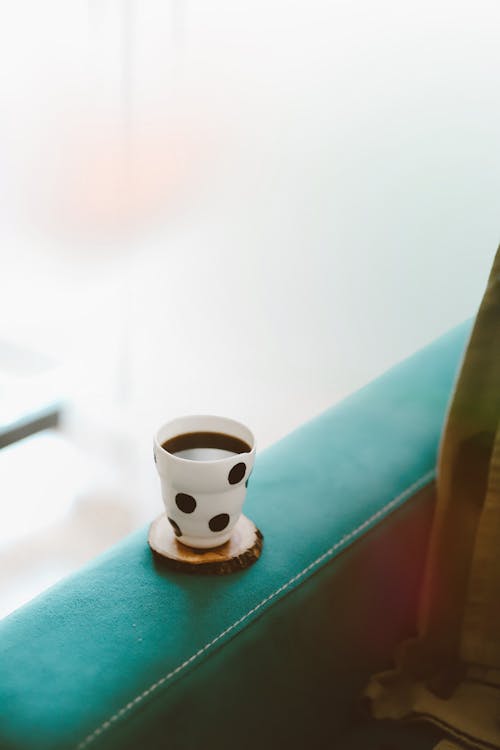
x: 451, y: 673
x: 292, y: 679
x: 126, y: 649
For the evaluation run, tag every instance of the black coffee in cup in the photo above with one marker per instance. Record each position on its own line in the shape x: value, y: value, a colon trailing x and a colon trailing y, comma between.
x: 205, y: 446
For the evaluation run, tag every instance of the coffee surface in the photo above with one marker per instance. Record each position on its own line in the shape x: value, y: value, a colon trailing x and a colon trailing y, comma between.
x: 202, y: 440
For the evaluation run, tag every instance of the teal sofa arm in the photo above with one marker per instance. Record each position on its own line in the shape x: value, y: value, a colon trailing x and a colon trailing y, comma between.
x: 127, y: 654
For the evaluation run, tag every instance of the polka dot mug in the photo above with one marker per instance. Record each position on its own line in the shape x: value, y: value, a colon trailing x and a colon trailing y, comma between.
x: 204, y: 463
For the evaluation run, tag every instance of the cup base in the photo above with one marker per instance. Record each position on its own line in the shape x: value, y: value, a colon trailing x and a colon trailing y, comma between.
x: 241, y: 550
x: 194, y: 543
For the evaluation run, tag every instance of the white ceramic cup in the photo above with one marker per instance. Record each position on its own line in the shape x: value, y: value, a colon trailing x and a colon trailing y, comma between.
x: 203, y: 488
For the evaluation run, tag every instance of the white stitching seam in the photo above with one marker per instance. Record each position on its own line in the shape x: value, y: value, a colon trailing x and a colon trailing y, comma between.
x: 425, y: 479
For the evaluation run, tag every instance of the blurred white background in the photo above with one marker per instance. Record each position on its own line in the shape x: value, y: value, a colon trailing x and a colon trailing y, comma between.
x: 234, y: 207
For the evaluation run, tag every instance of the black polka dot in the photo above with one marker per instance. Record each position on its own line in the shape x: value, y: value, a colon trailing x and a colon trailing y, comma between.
x: 175, y: 527
x: 237, y: 473
x: 218, y: 523
x: 184, y: 502
x: 246, y: 483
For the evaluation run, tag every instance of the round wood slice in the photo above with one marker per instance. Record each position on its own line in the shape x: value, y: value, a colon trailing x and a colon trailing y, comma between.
x: 241, y: 551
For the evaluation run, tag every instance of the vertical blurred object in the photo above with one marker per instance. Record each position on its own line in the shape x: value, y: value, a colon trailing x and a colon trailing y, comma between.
x: 31, y: 396
x: 450, y: 673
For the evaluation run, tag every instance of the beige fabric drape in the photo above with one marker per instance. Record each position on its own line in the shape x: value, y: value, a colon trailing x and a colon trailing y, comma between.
x: 450, y: 674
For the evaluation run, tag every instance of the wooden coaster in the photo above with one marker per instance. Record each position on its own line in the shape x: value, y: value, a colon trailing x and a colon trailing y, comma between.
x: 241, y: 551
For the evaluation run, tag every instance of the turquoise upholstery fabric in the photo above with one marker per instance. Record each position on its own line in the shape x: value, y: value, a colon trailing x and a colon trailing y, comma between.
x: 125, y: 653
x: 292, y: 678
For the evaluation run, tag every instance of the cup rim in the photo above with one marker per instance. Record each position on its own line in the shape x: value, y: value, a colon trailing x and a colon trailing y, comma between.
x: 205, y: 417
